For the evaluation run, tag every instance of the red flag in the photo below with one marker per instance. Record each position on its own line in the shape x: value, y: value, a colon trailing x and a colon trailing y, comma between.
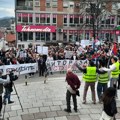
x: 114, y: 50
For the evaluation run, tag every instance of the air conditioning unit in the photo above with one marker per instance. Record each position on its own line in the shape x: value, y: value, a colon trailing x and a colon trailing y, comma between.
x: 77, y: 4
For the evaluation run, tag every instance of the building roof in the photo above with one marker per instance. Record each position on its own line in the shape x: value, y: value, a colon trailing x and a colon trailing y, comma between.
x: 10, y: 37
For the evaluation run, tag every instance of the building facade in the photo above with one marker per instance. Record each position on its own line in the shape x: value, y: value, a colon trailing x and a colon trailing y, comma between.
x: 54, y: 21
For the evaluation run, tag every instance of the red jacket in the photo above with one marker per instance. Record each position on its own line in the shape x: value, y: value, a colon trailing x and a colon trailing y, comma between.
x: 73, y: 80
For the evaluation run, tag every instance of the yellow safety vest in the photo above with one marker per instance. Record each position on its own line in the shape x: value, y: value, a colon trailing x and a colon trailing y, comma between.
x: 90, y: 75
x: 103, y: 78
x: 115, y: 73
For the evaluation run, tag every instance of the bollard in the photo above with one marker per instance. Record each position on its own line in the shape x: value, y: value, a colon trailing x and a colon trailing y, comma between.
x: 25, y: 80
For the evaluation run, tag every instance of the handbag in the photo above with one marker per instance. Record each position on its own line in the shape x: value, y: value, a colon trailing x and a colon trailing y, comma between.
x: 104, y: 116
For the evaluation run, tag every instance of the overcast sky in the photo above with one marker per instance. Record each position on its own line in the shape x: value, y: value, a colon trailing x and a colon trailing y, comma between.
x: 7, y: 8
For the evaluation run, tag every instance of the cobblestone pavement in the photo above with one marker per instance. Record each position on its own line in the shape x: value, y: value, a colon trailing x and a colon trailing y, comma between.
x: 47, y: 102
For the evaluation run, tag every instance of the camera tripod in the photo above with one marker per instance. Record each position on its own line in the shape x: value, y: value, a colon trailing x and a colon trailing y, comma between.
x: 18, y: 100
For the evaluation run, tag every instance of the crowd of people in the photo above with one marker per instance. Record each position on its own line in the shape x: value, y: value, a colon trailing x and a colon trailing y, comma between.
x: 99, y: 57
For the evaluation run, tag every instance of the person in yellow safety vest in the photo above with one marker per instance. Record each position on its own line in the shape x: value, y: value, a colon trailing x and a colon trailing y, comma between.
x: 114, y: 69
x: 102, y: 81
x: 90, y: 77
x: 119, y: 76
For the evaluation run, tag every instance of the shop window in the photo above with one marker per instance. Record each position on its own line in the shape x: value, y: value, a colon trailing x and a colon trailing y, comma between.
x: 47, y: 36
x: 64, y: 36
x: 37, y: 34
x: 53, y: 36
x: 43, y: 36
x: 25, y: 36
x: 30, y: 36
x: 20, y: 36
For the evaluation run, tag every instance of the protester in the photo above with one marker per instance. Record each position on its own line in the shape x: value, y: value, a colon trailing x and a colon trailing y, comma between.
x: 109, y: 104
x: 90, y: 78
x: 102, y: 81
x: 2, y: 81
x: 73, y: 86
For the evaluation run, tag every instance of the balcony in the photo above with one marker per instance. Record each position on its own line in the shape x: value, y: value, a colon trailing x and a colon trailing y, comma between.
x: 24, y: 8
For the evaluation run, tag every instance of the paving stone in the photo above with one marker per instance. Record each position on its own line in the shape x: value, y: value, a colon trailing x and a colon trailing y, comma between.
x: 51, y: 114
x: 28, y: 117
x: 20, y: 112
x: 95, y: 116
x: 48, y: 118
x: 61, y: 118
x: 57, y: 103
x: 73, y: 117
x: 55, y: 108
x: 117, y: 116
x: 40, y: 115
x: 85, y: 117
x: 12, y: 113
x: 15, y: 107
x: 62, y: 113
x: 95, y: 110
x: 37, y: 104
x: 84, y: 111
x: 44, y: 109
x: 48, y: 103
x: 33, y: 110
x: 15, y: 118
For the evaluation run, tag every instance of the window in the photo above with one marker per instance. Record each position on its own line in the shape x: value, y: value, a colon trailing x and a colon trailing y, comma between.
x: 25, y: 19
x: 64, y: 36
x: 54, y: 3
x: 30, y: 18
x: 42, y: 36
x: 54, y: 19
x: 76, y: 19
x: 20, y: 36
x: 42, y: 19
x: 37, y: 2
x: 47, y: 36
x: 81, y: 20
x: 48, y: 4
x: 37, y: 36
x: 71, y: 20
x: 37, y: 19
x: 48, y: 19
x: 87, y: 20
x: 53, y: 36
x: 19, y: 18
x: 30, y: 36
x: 25, y: 36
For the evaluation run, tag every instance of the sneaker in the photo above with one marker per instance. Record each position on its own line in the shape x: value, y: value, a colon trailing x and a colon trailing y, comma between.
x: 84, y: 102
x: 10, y: 102
x: 67, y: 110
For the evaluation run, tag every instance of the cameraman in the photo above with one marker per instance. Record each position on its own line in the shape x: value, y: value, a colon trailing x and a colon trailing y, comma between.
x: 2, y: 81
x: 8, y: 88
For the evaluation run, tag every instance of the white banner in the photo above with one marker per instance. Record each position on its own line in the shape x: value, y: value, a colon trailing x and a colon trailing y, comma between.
x: 63, y: 65
x: 20, y: 68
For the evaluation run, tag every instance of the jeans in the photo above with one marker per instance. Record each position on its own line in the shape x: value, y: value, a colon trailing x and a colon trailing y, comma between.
x: 68, y: 97
x: 7, y: 95
x: 101, y: 87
